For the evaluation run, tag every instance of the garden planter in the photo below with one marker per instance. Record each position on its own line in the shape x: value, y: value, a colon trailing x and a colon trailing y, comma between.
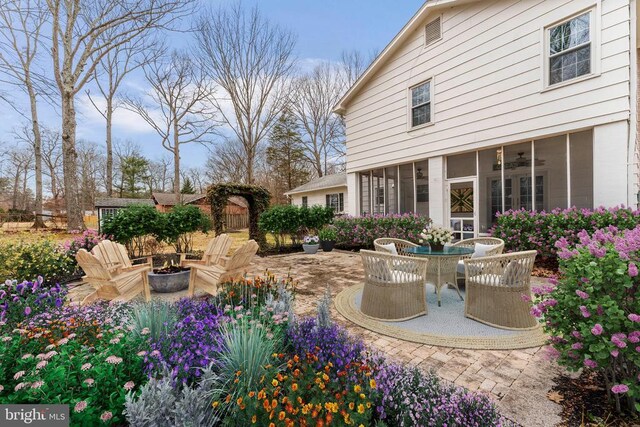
x: 169, y: 282
x: 327, y: 245
x: 310, y: 249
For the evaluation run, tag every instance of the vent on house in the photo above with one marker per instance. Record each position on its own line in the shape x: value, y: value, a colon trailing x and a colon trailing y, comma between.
x: 432, y: 32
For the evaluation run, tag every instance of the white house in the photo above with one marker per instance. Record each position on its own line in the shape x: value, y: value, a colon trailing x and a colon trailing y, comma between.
x: 329, y: 190
x: 477, y: 107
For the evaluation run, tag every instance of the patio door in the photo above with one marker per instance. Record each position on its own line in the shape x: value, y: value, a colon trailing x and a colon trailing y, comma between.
x: 462, y: 207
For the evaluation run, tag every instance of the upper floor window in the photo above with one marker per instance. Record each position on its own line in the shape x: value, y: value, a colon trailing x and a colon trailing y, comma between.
x: 570, y: 49
x: 421, y: 104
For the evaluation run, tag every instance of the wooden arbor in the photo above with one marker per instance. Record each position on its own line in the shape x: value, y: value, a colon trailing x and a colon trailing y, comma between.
x: 257, y: 197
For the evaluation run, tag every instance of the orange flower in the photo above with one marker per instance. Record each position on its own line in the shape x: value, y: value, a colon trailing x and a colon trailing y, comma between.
x: 266, y: 406
x: 294, y: 386
x: 372, y: 383
x: 296, y: 358
x: 254, y: 419
x: 281, y: 415
x: 274, y: 382
x: 361, y: 408
x: 352, y: 405
x: 252, y: 393
x: 274, y: 403
x: 239, y: 401
x: 261, y: 394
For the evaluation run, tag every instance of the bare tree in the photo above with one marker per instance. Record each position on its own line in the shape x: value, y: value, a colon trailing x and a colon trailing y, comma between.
x: 52, y: 160
x: 21, y: 23
x: 111, y: 71
x: 312, y: 103
x: 227, y: 163
x: 90, y: 159
x: 160, y: 178
x: 251, y: 60
x: 353, y: 64
x: 177, y: 106
x: 20, y: 158
x: 82, y: 33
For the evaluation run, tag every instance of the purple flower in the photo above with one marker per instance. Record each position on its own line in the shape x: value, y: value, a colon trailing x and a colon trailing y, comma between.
x: 582, y: 294
x: 619, y: 388
x: 597, y: 329
x: 27, y: 311
x: 634, y: 317
x: 633, y: 270
x: 590, y: 363
x: 584, y: 311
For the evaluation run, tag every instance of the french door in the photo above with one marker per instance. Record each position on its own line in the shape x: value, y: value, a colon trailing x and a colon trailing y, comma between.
x: 462, y: 210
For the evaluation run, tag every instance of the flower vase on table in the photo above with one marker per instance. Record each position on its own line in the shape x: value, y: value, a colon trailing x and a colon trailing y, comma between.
x: 436, y: 237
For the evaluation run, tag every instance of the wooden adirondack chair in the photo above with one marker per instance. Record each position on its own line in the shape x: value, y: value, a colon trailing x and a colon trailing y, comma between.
x: 116, y: 283
x: 114, y: 255
x: 207, y: 277
x: 216, y: 250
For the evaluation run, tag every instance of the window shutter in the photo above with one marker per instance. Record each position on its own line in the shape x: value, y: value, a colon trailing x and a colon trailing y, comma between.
x: 432, y: 32
x: 328, y: 200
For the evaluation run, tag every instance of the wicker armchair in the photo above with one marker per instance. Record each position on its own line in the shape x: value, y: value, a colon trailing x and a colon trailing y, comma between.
x: 400, y: 245
x: 394, y: 286
x: 471, y: 244
x: 495, y: 286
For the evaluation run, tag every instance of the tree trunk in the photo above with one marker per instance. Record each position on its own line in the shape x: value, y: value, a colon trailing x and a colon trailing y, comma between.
x: 75, y: 219
x: 109, y: 118
x: 16, y: 184
x: 37, y: 151
x: 176, y: 161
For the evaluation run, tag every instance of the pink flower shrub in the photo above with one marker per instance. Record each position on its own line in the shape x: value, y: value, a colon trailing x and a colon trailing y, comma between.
x: 554, y: 234
x: 360, y: 232
x: 591, y: 314
x: 87, y: 240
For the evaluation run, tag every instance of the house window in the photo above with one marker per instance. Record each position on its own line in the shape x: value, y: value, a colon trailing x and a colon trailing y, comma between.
x: 570, y: 49
x: 336, y: 202
x: 421, y: 104
x: 305, y: 202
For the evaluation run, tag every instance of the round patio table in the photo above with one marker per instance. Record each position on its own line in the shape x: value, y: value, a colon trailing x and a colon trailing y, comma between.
x: 446, y: 261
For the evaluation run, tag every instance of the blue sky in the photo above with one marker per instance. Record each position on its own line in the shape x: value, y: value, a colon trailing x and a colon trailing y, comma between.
x: 324, y: 30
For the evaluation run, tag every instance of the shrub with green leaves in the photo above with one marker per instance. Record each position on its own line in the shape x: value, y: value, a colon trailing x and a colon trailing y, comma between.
x: 27, y: 260
x: 180, y: 223
x: 133, y: 226
x: 592, y: 313
x: 360, y: 232
x: 291, y: 221
x: 524, y: 230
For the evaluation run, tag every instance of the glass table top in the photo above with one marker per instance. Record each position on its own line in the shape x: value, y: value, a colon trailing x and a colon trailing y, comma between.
x: 447, y: 251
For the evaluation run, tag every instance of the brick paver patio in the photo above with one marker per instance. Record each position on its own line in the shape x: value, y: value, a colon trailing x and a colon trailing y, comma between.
x: 518, y: 380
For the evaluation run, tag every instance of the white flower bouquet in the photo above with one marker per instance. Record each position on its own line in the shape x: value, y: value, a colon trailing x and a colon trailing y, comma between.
x: 436, y: 236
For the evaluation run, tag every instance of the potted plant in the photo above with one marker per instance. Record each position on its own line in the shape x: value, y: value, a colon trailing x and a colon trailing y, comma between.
x: 436, y: 237
x: 327, y: 237
x: 169, y: 278
x: 311, y: 244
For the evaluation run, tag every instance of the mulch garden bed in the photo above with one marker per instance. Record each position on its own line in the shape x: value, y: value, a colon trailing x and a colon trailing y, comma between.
x: 584, y: 402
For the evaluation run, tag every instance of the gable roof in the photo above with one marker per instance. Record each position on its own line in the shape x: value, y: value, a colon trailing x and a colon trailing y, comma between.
x: 327, y: 181
x: 429, y: 7
x: 240, y: 201
x: 169, y: 199
x: 118, y: 202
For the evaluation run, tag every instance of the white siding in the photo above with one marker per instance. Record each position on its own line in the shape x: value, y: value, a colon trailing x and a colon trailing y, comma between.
x: 319, y: 197
x: 609, y: 173
x: 488, y: 83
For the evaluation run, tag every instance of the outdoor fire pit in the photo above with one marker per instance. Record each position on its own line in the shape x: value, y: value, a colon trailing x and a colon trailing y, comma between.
x: 169, y: 278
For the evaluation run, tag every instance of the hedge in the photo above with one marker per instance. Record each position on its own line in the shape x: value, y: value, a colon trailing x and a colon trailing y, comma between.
x: 360, y: 232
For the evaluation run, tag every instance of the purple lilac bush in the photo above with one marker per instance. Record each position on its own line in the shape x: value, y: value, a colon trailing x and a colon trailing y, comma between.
x: 360, y: 232
x: 86, y: 240
x: 524, y: 230
x: 592, y: 312
x: 192, y: 344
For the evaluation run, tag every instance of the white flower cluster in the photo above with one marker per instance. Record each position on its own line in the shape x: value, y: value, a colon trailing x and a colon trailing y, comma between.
x: 311, y: 240
x: 436, y: 234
